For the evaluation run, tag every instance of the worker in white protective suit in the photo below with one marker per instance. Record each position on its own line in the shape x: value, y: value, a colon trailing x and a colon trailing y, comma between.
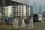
x: 31, y: 23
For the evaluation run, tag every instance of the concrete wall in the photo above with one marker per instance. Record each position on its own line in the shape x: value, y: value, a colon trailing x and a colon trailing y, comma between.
x: 29, y: 10
x: 24, y: 10
x: 8, y: 10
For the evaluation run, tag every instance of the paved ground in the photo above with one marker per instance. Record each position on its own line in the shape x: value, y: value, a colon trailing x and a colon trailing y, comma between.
x: 39, y: 26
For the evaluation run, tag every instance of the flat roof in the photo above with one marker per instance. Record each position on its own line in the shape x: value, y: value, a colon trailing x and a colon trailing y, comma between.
x: 9, y: 2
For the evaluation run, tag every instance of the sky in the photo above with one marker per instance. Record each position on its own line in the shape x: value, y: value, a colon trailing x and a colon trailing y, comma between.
x: 37, y: 3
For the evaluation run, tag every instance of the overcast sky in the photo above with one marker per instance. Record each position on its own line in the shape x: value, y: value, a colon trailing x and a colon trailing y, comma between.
x: 37, y: 3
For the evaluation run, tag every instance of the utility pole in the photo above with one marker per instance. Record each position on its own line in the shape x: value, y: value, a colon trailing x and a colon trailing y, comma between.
x: 40, y: 10
x: 35, y: 8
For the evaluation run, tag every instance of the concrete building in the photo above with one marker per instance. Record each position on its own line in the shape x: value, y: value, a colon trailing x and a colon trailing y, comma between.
x: 21, y: 7
x: 18, y: 9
